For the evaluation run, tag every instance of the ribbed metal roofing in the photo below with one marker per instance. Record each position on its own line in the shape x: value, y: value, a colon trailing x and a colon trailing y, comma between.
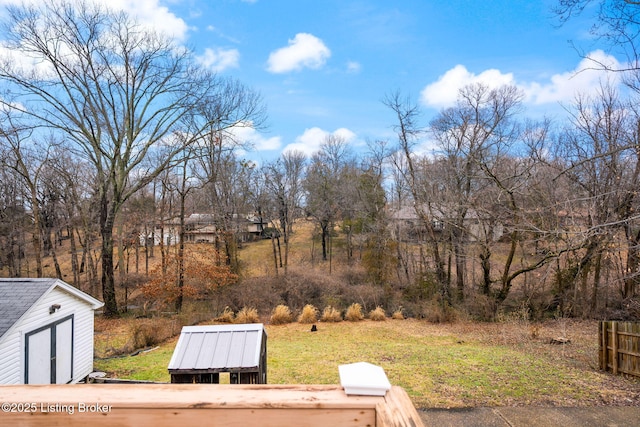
x: 218, y: 348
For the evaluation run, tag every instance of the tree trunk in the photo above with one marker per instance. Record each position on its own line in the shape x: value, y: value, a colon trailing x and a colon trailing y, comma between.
x: 324, y: 233
x: 37, y: 230
x: 74, y: 258
x: 275, y: 252
x: 460, y: 266
x: 633, y: 265
x: 108, y: 281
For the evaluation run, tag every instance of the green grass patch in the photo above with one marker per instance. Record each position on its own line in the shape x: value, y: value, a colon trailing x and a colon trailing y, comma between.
x: 436, y: 365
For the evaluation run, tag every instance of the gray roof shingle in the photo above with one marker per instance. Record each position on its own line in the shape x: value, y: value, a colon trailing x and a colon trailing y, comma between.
x: 17, y: 296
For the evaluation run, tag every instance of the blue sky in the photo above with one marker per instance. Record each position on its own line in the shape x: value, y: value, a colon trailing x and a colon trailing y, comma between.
x: 323, y: 66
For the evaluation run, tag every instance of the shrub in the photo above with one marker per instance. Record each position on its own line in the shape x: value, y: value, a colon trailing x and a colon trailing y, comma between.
x: 378, y: 314
x: 354, y: 313
x: 148, y: 333
x: 247, y: 315
x: 330, y: 314
x: 397, y: 315
x: 226, y: 316
x: 281, y: 315
x: 309, y: 314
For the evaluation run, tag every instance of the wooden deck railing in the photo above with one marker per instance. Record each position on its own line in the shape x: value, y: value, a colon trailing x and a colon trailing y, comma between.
x: 201, y: 405
x: 620, y: 347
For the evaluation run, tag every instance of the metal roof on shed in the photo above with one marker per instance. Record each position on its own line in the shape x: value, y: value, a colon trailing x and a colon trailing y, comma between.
x: 218, y: 348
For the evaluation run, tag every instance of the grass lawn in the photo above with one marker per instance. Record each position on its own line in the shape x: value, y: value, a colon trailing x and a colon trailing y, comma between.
x: 451, y: 365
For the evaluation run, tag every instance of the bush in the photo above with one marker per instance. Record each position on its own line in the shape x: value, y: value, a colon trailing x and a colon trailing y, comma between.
x: 330, y: 314
x: 226, y: 316
x: 398, y: 315
x: 281, y: 315
x: 147, y: 334
x: 247, y: 315
x: 309, y: 314
x: 354, y: 313
x: 378, y: 314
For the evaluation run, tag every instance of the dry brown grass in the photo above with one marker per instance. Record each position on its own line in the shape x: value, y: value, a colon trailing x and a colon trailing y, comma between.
x: 397, y: 315
x: 308, y: 315
x: 281, y: 315
x: 354, y: 313
x: 247, y: 315
x: 377, y: 314
x: 330, y: 314
x: 226, y: 316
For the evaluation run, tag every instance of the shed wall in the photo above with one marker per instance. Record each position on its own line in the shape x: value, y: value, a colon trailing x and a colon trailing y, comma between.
x: 12, y: 345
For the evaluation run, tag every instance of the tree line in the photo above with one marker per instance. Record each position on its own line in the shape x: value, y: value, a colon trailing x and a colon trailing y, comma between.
x: 113, y: 133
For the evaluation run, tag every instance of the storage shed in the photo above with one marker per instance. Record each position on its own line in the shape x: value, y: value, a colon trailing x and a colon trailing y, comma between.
x: 46, y: 332
x: 203, y: 352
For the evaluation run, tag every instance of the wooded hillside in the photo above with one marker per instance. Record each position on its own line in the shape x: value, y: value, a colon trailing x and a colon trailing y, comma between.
x: 122, y: 174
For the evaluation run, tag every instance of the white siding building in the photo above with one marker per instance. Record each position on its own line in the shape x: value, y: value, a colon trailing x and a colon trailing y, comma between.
x: 46, y: 332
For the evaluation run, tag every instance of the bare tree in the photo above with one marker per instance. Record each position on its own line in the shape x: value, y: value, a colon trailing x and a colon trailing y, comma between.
x: 116, y: 91
x: 471, y: 136
x: 323, y: 187
x: 601, y: 149
x: 409, y: 133
x: 616, y: 23
x: 283, y: 185
x: 28, y: 158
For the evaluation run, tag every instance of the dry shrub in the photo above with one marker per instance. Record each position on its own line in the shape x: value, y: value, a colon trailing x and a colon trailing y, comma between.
x: 354, y: 313
x: 309, y: 314
x: 227, y: 316
x: 247, y: 315
x: 258, y: 292
x: 378, y: 314
x: 330, y: 314
x: 281, y: 315
x: 398, y: 315
x: 148, y: 333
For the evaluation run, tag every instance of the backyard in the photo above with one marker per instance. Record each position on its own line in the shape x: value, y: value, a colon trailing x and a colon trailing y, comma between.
x: 511, y: 362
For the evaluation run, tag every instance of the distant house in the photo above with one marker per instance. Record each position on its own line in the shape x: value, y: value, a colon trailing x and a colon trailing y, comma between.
x: 407, y: 224
x: 46, y: 332
x: 200, y: 228
x: 205, y: 228
x: 168, y: 232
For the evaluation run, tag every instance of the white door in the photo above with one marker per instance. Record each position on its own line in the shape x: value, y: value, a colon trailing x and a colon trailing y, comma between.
x: 64, y: 351
x: 49, y: 353
x: 39, y: 357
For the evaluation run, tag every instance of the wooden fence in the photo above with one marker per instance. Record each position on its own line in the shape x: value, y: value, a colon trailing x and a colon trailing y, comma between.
x: 164, y: 405
x: 620, y: 347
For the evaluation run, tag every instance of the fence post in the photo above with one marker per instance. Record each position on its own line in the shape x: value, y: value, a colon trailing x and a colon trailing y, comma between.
x: 614, y: 345
x: 603, y: 346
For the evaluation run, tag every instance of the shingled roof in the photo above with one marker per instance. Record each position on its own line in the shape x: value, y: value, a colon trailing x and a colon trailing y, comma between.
x: 18, y: 295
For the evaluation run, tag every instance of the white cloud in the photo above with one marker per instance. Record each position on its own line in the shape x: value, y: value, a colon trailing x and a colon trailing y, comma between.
x: 304, y: 51
x: 353, y: 67
x: 311, y: 140
x: 248, y: 134
x: 149, y: 14
x: 564, y: 87
x: 444, y: 92
x: 560, y: 87
x: 219, y: 59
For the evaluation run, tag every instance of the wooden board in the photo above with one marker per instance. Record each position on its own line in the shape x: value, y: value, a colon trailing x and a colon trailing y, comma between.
x: 201, y: 404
